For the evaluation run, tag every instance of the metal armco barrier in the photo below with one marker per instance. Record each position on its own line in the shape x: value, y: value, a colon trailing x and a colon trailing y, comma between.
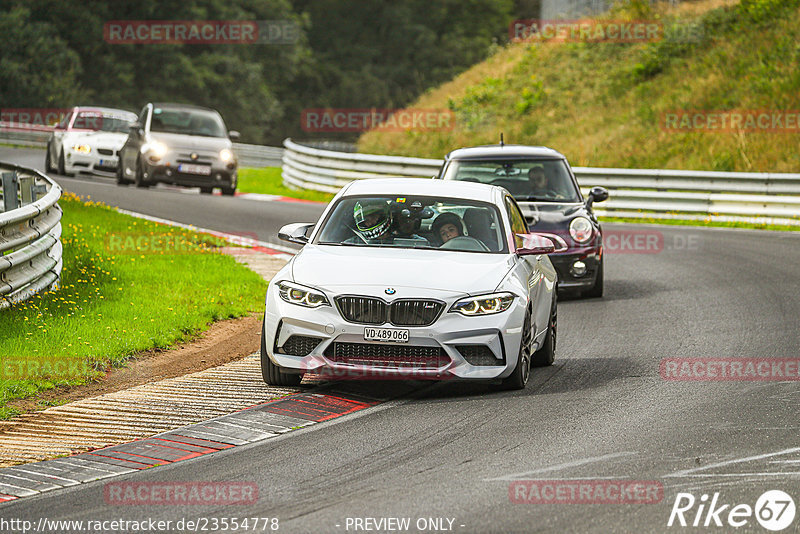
x: 770, y: 198
x: 30, y: 234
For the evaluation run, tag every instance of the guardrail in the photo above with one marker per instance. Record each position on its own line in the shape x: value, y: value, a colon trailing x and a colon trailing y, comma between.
x: 30, y: 234
x: 769, y: 198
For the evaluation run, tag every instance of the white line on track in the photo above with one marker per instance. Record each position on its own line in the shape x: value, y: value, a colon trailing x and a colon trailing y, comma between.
x: 566, y: 465
x: 693, y: 472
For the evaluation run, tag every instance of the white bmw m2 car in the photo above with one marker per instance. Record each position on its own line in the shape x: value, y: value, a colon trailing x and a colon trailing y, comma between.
x: 413, y: 279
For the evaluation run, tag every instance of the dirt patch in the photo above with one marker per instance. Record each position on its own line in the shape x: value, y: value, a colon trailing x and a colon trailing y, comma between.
x: 223, y: 342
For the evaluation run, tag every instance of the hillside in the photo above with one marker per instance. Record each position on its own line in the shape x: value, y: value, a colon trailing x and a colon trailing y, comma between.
x: 604, y: 104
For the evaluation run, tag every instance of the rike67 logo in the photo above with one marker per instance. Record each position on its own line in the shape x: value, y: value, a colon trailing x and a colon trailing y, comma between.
x: 774, y: 510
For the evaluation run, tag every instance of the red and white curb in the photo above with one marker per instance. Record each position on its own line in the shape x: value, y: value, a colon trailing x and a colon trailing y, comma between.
x: 254, y: 424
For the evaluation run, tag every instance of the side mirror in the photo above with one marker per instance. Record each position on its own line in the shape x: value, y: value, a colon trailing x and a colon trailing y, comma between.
x: 233, y: 135
x: 597, y: 194
x: 295, y: 233
x: 533, y: 244
x: 136, y: 128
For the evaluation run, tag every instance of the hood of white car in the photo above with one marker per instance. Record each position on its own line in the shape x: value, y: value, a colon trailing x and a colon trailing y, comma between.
x: 113, y: 140
x: 410, y: 272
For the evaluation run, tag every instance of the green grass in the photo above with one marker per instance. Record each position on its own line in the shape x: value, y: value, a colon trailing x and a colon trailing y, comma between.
x: 128, y: 285
x: 604, y: 104
x: 268, y: 181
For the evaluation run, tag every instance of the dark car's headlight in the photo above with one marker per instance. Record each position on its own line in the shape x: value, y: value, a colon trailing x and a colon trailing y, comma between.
x: 226, y: 155
x: 302, y: 295
x: 484, y: 304
x: 581, y: 229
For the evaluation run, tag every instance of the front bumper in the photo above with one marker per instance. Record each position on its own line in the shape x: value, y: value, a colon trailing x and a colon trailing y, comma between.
x: 444, y: 344
x: 567, y: 279
x: 92, y: 163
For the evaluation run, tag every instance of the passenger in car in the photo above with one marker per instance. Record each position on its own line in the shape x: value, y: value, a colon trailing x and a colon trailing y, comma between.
x: 447, y: 226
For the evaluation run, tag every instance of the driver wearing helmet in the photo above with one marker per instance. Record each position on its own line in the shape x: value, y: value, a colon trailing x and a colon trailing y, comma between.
x: 373, y: 218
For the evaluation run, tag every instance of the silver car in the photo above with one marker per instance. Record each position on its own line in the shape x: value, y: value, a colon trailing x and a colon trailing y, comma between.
x: 182, y: 145
x: 392, y: 284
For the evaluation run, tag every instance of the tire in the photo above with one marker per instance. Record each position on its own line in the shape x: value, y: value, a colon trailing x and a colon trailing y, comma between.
x: 48, y: 165
x: 229, y: 191
x: 270, y: 372
x: 121, y: 180
x: 519, y: 378
x: 546, y: 355
x: 597, y: 289
x: 139, y: 181
x: 61, y: 165
x: 206, y: 190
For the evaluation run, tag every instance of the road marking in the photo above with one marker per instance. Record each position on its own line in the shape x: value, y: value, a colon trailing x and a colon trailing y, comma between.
x: 689, y: 472
x: 566, y: 465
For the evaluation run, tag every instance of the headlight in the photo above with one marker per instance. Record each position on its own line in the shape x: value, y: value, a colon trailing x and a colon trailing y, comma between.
x: 82, y: 149
x: 225, y: 155
x: 301, y: 295
x: 484, y: 304
x: 581, y: 229
x: 155, y: 149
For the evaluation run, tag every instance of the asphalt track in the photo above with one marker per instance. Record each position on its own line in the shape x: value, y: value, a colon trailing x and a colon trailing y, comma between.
x: 603, y: 411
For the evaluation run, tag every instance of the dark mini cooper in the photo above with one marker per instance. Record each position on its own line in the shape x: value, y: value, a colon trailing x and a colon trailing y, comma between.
x: 182, y: 145
x: 542, y: 182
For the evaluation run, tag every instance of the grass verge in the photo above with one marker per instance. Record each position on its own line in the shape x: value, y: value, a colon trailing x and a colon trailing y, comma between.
x: 127, y: 285
x: 268, y: 181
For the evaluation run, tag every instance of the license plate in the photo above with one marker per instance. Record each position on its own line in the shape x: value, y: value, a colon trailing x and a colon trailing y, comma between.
x: 394, y: 335
x: 108, y: 163
x: 188, y: 168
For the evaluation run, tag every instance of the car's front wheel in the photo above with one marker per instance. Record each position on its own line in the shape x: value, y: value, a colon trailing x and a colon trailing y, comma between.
x: 62, y: 165
x: 547, y: 354
x: 272, y: 373
x: 140, y: 181
x: 48, y: 165
x: 121, y: 180
x: 596, y: 291
x: 519, y: 378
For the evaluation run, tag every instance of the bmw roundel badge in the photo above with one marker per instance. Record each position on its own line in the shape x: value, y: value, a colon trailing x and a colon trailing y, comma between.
x: 390, y: 291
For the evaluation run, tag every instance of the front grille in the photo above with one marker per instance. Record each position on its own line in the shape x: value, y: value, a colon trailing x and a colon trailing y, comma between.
x: 299, y: 345
x: 415, y: 312
x: 406, y: 312
x: 362, y: 310
x: 105, y: 151
x: 378, y: 355
x: 479, y: 355
x: 202, y: 159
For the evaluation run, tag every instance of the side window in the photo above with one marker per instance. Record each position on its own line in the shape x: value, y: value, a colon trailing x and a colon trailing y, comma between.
x: 518, y: 225
x: 64, y: 122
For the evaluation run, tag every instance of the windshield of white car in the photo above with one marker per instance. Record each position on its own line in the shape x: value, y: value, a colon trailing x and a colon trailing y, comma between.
x: 534, y: 180
x: 98, y: 121
x: 188, y: 122
x: 414, y: 222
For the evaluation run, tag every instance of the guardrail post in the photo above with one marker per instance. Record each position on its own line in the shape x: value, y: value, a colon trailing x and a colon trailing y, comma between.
x: 10, y: 200
x: 26, y: 194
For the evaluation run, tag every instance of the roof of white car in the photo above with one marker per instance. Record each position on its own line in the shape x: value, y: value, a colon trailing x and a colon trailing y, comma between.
x: 423, y: 186
x: 110, y: 111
